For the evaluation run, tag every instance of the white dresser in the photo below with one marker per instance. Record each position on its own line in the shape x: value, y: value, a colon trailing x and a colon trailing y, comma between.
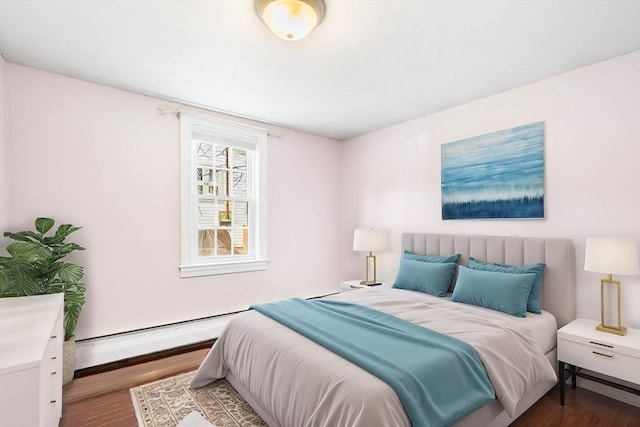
x: 31, y: 337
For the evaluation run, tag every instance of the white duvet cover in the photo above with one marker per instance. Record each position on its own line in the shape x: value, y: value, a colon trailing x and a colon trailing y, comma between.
x: 300, y: 383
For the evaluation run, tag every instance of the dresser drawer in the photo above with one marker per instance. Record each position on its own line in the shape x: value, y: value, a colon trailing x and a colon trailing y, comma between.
x: 600, y: 358
x: 51, y: 376
x: 51, y: 381
x: 50, y: 411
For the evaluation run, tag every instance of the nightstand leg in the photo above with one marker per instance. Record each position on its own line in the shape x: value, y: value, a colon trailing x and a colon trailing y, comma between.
x: 561, y: 381
x: 573, y: 376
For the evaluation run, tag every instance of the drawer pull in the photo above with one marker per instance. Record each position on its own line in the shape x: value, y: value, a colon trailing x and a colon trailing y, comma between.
x: 600, y: 344
x: 54, y: 357
x: 610, y: 356
x: 52, y: 401
x: 55, y: 372
x: 53, y: 337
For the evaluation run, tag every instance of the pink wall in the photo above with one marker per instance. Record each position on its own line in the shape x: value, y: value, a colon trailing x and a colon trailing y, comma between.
x: 391, y: 178
x: 107, y: 160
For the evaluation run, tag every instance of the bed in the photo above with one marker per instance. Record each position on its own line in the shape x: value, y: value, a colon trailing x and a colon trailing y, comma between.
x: 291, y: 381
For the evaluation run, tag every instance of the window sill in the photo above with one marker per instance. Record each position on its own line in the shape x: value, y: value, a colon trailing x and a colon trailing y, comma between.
x: 223, y: 268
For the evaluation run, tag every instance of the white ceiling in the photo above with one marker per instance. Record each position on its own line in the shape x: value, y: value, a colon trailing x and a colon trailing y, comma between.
x: 370, y: 63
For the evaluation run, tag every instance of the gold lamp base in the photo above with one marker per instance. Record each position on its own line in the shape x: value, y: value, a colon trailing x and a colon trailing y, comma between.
x: 602, y: 327
x: 612, y: 330
x: 370, y: 261
x: 370, y: 283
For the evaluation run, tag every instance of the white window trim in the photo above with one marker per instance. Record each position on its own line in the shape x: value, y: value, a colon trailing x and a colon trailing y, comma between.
x: 190, y: 265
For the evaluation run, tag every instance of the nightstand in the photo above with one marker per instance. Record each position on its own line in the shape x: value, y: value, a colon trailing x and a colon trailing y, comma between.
x: 582, y: 347
x: 352, y: 285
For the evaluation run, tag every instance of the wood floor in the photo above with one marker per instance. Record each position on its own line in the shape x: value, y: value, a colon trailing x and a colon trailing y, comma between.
x: 103, y: 399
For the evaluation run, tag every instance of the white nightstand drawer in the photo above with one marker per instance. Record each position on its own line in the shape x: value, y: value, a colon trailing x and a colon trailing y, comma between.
x: 599, y: 358
x: 628, y: 344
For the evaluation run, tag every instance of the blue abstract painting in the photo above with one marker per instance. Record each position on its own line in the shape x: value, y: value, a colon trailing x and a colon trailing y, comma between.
x: 498, y: 175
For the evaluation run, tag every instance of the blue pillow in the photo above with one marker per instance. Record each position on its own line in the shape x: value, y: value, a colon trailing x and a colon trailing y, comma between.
x: 538, y: 269
x: 430, y: 258
x: 506, y: 292
x: 427, y: 277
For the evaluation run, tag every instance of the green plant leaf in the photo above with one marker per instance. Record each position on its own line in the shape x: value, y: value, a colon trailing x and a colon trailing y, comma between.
x: 65, y: 229
x: 44, y: 224
x: 70, y: 273
x: 65, y: 249
x: 23, y: 286
x: 33, y: 270
x: 55, y: 287
x: 27, y: 252
x: 6, y: 290
x: 53, y: 240
x: 21, y: 236
x: 72, y: 307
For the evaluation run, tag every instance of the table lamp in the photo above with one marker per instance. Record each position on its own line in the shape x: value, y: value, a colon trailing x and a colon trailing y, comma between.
x: 611, y: 256
x: 365, y: 240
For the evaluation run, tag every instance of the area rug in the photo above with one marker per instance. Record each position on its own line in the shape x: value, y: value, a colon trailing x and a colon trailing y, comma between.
x: 165, y: 403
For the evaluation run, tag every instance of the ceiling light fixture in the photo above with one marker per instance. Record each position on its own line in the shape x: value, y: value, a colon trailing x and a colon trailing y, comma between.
x: 290, y: 19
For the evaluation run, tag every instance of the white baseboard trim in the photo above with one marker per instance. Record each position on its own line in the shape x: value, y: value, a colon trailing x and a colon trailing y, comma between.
x: 112, y: 348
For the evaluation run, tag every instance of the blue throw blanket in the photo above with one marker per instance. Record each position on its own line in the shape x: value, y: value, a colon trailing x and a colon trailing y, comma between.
x: 438, y: 379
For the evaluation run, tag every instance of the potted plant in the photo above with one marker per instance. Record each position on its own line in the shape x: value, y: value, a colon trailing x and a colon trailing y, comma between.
x: 35, y: 266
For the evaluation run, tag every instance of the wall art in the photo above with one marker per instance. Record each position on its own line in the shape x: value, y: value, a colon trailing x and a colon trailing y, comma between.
x: 497, y: 175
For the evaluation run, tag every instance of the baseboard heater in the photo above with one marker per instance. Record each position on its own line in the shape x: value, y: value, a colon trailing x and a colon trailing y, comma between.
x: 112, y: 348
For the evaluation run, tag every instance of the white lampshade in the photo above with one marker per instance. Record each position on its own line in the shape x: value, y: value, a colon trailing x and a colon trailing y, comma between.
x: 611, y: 256
x: 290, y: 19
x: 369, y: 240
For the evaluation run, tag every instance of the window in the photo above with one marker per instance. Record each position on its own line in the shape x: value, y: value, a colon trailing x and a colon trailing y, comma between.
x: 223, y: 196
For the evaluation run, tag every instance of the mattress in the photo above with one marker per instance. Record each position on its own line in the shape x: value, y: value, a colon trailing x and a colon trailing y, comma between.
x: 542, y: 326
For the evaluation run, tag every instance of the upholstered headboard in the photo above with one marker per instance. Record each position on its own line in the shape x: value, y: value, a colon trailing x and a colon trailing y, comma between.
x: 558, y: 293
